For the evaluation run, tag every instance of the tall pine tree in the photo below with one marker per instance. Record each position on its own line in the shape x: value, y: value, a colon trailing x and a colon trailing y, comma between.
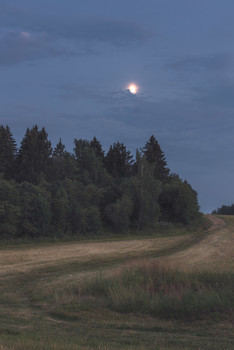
x: 145, y: 190
x: 7, y: 152
x: 119, y: 161
x: 96, y: 145
x: 154, y: 155
x: 33, y: 158
x: 89, y: 163
x: 63, y: 163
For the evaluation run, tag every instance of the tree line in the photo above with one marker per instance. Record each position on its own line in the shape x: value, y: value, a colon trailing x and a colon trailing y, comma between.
x: 224, y: 210
x: 48, y: 191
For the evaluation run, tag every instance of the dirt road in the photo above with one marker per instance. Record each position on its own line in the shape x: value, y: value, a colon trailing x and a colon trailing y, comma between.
x: 27, y: 259
x: 214, y: 251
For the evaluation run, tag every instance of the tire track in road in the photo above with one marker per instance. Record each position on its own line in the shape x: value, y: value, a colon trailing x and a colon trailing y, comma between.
x: 211, y: 250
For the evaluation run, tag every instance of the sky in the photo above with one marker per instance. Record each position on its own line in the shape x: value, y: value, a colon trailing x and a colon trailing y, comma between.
x: 67, y: 65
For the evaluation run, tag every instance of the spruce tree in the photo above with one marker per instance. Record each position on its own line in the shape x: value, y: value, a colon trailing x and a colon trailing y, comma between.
x: 119, y: 161
x: 145, y: 191
x: 7, y: 152
x: 58, y: 168
x: 154, y: 155
x: 62, y: 164
x: 59, y: 150
x: 34, y: 156
x: 89, y: 164
x: 96, y: 145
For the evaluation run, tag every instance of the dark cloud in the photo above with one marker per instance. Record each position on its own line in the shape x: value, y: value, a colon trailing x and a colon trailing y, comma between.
x: 114, y: 32
x: 89, y: 30
x: 220, y: 94
x: 209, y: 78
x: 59, y: 36
x: 215, y: 63
x: 193, y: 132
x: 17, y: 47
x: 101, y: 96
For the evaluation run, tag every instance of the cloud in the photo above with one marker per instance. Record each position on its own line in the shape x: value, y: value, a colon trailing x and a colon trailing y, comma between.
x: 214, y: 63
x: 92, y: 30
x: 17, y: 47
x: 27, y: 36
x: 221, y: 95
x: 209, y: 78
x: 86, y: 30
x: 100, y: 95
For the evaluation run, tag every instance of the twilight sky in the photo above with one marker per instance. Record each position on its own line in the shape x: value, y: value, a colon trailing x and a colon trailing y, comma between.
x: 66, y: 65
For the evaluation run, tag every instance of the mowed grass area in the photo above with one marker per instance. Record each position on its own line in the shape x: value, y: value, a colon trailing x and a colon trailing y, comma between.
x: 137, y: 294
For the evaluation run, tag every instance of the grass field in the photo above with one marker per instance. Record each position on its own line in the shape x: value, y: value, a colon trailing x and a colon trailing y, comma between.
x: 172, y: 292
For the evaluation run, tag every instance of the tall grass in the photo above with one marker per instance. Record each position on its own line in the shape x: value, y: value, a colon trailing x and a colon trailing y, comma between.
x: 157, y: 291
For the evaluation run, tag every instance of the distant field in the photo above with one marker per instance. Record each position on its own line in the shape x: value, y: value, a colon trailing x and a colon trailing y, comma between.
x: 57, y: 296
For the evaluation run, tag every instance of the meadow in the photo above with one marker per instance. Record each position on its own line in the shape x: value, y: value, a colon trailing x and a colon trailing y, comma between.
x: 168, y: 291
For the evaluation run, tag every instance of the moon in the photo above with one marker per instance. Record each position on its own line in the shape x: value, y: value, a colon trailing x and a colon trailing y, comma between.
x: 133, y: 88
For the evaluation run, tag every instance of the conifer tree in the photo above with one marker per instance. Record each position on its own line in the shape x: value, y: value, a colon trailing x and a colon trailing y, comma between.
x: 145, y: 191
x: 7, y: 152
x: 96, y: 145
x: 89, y: 164
x: 34, y: 156
x: 59, y: 150
x: 154, y: 155
x: 58, y: 168
x: 119, y: 161
x: 63, y: 163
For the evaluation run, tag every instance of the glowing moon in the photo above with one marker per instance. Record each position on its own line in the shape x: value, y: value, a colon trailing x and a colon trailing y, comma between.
x: 133, y: 88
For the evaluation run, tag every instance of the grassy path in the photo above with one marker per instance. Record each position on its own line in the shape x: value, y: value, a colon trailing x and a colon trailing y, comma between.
x: 213, y: 250
x: 31, y: 279
x: 26, y: 259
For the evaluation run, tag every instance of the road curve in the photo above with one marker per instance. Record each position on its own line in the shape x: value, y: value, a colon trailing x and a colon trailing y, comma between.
x: 213, y: 250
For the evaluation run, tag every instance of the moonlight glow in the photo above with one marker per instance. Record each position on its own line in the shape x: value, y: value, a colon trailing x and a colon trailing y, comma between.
x: 133, y: 88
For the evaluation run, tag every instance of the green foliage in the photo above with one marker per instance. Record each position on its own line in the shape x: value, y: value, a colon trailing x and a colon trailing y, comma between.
x: 119, y: 161
x: 9, y: 208
x: 118, y: 214
x: 33, y: 158
x: 224, y: 210
x: 91, y: 219
x: 7, y: 152
x: 155, y: 156
x: 95, y: 144
x: 87, y: 191
x: 178, y: 202
x: 59, y: 209
x: 89, y: 163
x: 145, y: 190
x: 152, y: 290
x: 35, y: 210
x: 62, y: 164
x: 75, y: 207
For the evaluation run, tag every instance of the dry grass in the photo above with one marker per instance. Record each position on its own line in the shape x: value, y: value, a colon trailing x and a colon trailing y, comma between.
x: 27, y: 259
x: 215, y: 252
x: 29, y: 274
